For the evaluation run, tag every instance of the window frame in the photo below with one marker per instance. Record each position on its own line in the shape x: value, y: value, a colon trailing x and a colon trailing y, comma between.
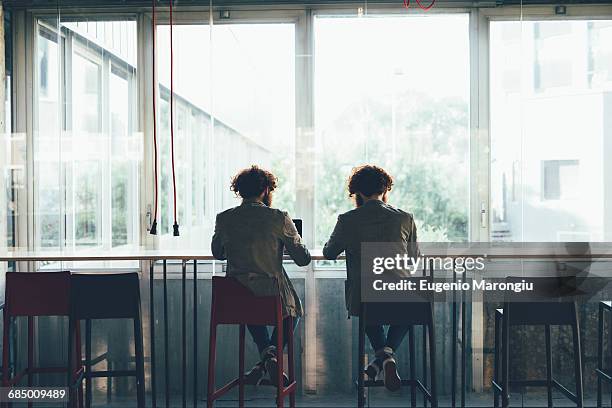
x: 74, y: 43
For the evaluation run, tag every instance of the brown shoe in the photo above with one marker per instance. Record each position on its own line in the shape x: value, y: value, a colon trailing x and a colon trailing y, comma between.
x: 271, y: 365
x: 373, y: 369
x: 393, y: 382
x: 255, y: 375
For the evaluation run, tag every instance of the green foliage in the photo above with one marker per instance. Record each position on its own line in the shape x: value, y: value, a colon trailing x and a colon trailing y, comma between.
x: 426, y: 152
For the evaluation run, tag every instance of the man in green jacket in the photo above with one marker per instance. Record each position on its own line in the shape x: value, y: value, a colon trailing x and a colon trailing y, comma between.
x: 372, y: 221
x: 252, y: 237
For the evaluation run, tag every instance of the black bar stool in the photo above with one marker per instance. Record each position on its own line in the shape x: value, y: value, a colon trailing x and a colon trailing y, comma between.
x: 407, y: 313
x: 109, y: 296
x: 602, y: 373
x: 551, y: 313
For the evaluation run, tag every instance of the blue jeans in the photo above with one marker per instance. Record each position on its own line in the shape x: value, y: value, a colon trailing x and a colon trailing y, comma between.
x: 393, y: 339
x: 262, y: 338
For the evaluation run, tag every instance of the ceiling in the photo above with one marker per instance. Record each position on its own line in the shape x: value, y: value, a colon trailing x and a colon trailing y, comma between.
x: 63, y: 4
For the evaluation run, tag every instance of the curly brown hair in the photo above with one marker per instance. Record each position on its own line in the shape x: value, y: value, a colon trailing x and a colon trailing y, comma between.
x: 369, y: 180
x: 253, y: 181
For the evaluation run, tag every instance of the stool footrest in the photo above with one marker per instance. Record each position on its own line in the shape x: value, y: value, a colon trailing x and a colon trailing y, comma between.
x: 36, y: 370
x: 603, y: 375
x: 289, y: 389
x: 96, y: 360
x: 114, y: 373
x: 223, y: 390
x: 537, y: 383
x: 404, y: 382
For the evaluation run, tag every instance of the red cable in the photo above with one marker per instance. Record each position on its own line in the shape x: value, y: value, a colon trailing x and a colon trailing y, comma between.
x: 172, y: 119
x: 154, y: 24
x: 424, y: 8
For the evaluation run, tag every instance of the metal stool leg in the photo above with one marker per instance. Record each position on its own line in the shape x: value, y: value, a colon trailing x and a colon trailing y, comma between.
x: 432, y: 360
x: 425, y: 362
x: 609, y: 349
x: 211, y: 363
x: 548, y: 365
x: 413, y: 399
x: 360, y: 363
x: 241, y: 367
x: 505, y: 393
x: 30, y: 353
x: 577, y: 360
x: 71, y: 361
x: 6, y: 344
x: 139, y: 351
x: 88, y: 394
x: 600, y: 360
x: 279, y: 355
x: 496, y: 358
x: 291, y: 363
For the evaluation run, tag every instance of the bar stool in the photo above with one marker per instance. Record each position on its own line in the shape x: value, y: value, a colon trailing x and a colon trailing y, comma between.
x: 405, y: 313
x: 551, y: 313
x: 602, y: 373
x: 232, y: 303
x: 110, y: 296
x: 32, y: 294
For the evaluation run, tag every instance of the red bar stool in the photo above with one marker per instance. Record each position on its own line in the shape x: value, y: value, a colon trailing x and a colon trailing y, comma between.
x: 232, y: 303
x: 31, y: 294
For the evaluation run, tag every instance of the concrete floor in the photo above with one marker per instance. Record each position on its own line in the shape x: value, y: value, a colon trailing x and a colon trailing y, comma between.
x: 266, y: 399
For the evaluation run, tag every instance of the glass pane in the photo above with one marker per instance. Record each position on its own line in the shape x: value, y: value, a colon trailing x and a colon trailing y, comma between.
x: 400, y: 104
x: 86, y: 151
x: 122, y: 173
x: 254, y: 119
x: 87, y: 141
x: 47, y: 170
x: 549, y: 103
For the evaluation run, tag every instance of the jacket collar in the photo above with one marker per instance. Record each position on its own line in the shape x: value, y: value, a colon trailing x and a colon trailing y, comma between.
x: 374, y: 202
x: 251, y: 201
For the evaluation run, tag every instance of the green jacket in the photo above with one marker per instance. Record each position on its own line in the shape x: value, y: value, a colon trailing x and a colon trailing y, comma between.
x: 375, y: 221
x: 252, y: 237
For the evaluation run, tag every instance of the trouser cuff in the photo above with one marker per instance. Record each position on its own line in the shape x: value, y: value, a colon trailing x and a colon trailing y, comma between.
x: 384, y: 353
x: 268, y: 352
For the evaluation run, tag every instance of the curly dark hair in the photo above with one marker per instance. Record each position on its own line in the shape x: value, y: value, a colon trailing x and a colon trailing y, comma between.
x: 253, y: 181
x: 369, y: 180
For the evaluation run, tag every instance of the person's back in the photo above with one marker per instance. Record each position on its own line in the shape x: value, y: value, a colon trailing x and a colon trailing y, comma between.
x: 252, y: 238
x: 372, y: 221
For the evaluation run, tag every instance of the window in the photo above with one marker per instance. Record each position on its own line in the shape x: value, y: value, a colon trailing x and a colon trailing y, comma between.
x: 549, y: 130
x: 86, y: 150
x: 253, y: 120
x: 386, y: 96
x: 560, y: 179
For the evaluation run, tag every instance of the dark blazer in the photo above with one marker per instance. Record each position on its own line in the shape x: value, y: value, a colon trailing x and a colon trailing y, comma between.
x: 374, y: 221
x: 252, y: 237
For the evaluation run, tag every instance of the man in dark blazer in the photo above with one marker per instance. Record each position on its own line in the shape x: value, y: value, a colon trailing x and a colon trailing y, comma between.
x: 252, y: 237
x: 373, y: 220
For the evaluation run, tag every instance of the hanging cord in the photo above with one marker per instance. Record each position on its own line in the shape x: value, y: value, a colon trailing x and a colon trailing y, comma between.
x: 153, y: 81
x: 424, y: 8
x: 175, y: 226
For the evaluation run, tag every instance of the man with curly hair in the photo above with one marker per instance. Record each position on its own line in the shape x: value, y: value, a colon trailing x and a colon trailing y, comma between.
x: 252, y: 237
x: 373, y: 220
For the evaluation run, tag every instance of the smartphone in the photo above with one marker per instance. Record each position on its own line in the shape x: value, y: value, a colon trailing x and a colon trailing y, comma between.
x: 298, y: 225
